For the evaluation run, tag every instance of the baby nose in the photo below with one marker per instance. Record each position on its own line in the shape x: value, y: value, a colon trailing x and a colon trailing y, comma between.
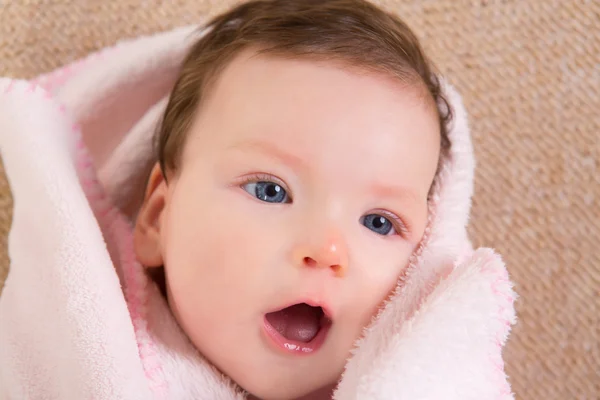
x: 330, y: 253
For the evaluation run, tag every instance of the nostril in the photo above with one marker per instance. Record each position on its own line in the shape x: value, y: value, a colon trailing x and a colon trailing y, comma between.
x: 337, y: 268
x: 309, y: 261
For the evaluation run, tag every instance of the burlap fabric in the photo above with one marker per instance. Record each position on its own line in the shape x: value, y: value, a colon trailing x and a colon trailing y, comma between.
x: 529, y: 72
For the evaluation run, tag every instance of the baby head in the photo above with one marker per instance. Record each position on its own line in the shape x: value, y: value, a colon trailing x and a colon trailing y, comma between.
x: 296, y: 158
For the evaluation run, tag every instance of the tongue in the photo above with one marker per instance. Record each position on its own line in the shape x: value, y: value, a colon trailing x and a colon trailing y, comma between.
x: 300, y: 322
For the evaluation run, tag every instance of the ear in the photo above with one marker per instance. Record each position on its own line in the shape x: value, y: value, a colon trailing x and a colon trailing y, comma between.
x: 147, y: 235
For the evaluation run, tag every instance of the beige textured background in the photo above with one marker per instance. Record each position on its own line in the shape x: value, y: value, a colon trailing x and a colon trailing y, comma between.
x: 530, y: 75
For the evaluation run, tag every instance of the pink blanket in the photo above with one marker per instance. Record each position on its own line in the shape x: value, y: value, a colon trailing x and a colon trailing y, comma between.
x: 80, y: 320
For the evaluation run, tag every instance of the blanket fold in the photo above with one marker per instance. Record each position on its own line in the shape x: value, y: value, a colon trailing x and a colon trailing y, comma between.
x: 79, y: 318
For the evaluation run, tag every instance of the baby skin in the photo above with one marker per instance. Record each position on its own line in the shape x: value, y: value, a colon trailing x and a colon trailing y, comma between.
x: 301, y: 194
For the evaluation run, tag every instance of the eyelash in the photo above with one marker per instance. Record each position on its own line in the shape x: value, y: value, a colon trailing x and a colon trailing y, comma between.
x: 402, y: 228
x: 262, y: 177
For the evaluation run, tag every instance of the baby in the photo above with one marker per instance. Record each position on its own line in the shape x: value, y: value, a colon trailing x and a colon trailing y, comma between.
x: 296, y: 158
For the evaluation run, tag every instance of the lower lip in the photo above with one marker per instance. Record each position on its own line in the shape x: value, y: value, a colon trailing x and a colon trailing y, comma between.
x: 292, y: 346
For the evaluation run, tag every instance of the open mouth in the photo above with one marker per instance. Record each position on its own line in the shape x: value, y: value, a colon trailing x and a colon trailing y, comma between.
x: 299, y: 328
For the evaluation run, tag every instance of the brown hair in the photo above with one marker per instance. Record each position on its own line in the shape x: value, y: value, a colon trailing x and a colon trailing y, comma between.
x: 353, y: 32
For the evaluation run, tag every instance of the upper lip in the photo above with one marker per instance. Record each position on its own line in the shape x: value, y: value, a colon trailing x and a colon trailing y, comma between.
x: 311, y: 302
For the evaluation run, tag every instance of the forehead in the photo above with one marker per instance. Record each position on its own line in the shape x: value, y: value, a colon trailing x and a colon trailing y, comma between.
x: 316, y: 110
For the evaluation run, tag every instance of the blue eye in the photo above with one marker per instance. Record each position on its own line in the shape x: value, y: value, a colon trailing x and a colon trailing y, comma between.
x: 378, y: 224
x: 269, y: 192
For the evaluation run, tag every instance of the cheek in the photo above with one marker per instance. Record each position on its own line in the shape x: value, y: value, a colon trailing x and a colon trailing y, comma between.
x: 210, y: 259
x: 378, y: 274
x: 216, y: 244
x: 203, y: 242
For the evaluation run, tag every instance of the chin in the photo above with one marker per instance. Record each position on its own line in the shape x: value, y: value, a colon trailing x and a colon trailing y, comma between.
x: 267, y: 388
x: 275, y: 392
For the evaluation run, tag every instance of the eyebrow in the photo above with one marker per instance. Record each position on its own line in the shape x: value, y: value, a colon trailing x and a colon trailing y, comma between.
x: 272, y: 151
x: 398, y: 192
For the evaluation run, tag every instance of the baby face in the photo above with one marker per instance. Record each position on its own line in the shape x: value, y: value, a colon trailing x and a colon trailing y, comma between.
x: 301, y: 195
